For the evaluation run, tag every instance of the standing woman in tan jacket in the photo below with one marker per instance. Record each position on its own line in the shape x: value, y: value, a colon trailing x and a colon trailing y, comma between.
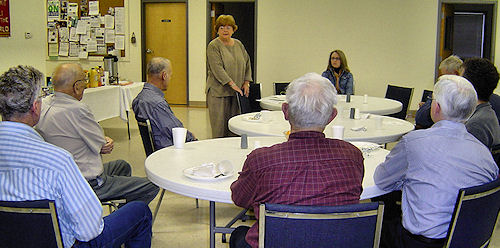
x: 229, y: 73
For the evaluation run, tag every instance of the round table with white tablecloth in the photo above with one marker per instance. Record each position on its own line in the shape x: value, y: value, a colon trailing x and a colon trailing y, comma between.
x: 166, y: 167
x: 366, y: 128
x: 373, y: 105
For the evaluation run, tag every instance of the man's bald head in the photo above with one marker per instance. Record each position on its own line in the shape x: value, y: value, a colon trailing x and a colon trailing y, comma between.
x: 70, y: 79
x: 158, y: 64
x: 65, y: 75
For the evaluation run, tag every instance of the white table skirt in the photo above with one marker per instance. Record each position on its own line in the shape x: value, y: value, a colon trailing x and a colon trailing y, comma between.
x: 165, y: 167
x: 111, y: 101
x: 374, y: 105
x: 273, y: 123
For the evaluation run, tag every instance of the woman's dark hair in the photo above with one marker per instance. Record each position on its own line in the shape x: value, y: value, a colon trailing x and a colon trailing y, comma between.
x: 343, y: 61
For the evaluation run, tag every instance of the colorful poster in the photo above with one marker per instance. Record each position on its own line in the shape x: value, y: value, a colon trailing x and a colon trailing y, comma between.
x: 4, y: 18
x: 53, y: 10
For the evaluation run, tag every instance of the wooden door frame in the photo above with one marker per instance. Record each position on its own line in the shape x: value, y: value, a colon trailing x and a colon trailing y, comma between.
x: 143, y: 39
x: 209, y: 38
x: 438, y: 30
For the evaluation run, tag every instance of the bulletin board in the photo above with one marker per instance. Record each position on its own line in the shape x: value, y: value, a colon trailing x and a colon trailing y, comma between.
x: 83, y: 29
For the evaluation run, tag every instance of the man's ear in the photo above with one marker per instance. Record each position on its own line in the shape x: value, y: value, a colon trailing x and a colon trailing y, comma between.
x: 437, y: 109
x: 333, y: 115
x: 36, y: 106
x: 36, y: 109
x: 284, y: 108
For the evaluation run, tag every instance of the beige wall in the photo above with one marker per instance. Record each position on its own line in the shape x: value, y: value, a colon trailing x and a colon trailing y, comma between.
x: 383, y: 44
x: 387, y: 41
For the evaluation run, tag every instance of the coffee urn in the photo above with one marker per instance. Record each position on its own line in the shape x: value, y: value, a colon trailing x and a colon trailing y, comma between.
x: 111, y: 66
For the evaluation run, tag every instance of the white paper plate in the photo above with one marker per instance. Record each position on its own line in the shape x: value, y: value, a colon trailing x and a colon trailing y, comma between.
x: 189, y: 173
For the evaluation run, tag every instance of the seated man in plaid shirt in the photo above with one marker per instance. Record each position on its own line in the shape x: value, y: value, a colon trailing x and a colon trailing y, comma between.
x: 308, y: 169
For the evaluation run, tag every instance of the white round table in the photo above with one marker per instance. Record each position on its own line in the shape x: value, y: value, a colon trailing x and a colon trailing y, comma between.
x: 374, y: 105
x: 273, y: 123
x: 165, y: 169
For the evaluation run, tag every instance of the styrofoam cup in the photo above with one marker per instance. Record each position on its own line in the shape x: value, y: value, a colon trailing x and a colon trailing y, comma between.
x: 357, y: 114
x: 179, y: 134
x: 338, y: 132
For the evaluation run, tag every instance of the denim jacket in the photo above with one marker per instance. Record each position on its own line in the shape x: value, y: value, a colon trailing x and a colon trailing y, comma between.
x: 345, y: 82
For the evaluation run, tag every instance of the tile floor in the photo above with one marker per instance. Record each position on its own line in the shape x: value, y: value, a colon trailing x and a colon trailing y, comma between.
x: 179, y: 223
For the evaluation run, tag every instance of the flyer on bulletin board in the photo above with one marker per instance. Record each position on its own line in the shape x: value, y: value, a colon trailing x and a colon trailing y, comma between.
x: 4, y: 18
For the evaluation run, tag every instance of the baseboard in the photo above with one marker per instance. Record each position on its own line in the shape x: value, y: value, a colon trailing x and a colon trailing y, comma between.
x: 198, y: 104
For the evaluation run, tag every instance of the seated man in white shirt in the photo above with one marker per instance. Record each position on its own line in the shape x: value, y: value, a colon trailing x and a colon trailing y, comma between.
x: 68, y: 123
x: 431, y: 165
x: 32, y: 169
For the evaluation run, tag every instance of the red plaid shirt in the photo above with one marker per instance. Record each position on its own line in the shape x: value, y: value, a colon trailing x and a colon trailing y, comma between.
x: 308, y: 169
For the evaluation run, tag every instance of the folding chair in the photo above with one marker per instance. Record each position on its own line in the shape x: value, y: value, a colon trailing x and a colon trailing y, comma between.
x: 113, y: 204
x: 427, y: 94
x: 401, y: 94
x: 254, y: 97
x: 149, y: 147
x: 357, y: 225
x: 475, y: 216
x: 495, y: 152
x: 29, y: 224
x: 280, y: 88
x: 146, y: 135
x: 243, y: 103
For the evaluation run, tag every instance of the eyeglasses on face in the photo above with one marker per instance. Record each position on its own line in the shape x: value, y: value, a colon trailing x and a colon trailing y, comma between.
x: 335, y: 58
x: 84, y: 80
x: 226, y: 27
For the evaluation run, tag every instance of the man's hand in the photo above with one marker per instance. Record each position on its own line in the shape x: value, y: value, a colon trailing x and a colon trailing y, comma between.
x: 108, y: 147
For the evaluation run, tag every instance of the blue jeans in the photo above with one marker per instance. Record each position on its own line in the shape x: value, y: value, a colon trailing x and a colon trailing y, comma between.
x: 129, y: 225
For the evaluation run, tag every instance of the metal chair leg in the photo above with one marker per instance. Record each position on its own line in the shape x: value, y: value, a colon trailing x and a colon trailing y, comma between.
x: 197, y: 205
x: 128, y: 126
x: 158, y: 205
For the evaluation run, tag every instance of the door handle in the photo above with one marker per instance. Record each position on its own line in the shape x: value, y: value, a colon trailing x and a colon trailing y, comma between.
x: 149, y: 51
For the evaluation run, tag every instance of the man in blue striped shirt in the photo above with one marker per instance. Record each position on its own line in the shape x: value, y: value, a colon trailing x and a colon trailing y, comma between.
x: 32, y: 169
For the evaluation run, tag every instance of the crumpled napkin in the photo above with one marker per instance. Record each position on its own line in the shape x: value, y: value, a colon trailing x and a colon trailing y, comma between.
x: 205, y: 170
x: 211, y: 169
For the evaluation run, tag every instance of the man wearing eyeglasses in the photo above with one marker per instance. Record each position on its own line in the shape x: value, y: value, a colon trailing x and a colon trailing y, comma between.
x: 68, y: 123
x: 430, y: 166
x: 32, y: 169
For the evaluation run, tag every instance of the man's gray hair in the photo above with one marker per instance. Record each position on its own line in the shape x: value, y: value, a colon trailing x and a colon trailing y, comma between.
x: 157, y: 64
x: 451, y: 64
x: 19, y: 88
x: 456, y: 96
x: 311, y: 99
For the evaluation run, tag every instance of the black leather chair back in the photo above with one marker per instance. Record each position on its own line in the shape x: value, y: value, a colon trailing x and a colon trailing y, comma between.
x: 401, y: 94
x: 146, y: 135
